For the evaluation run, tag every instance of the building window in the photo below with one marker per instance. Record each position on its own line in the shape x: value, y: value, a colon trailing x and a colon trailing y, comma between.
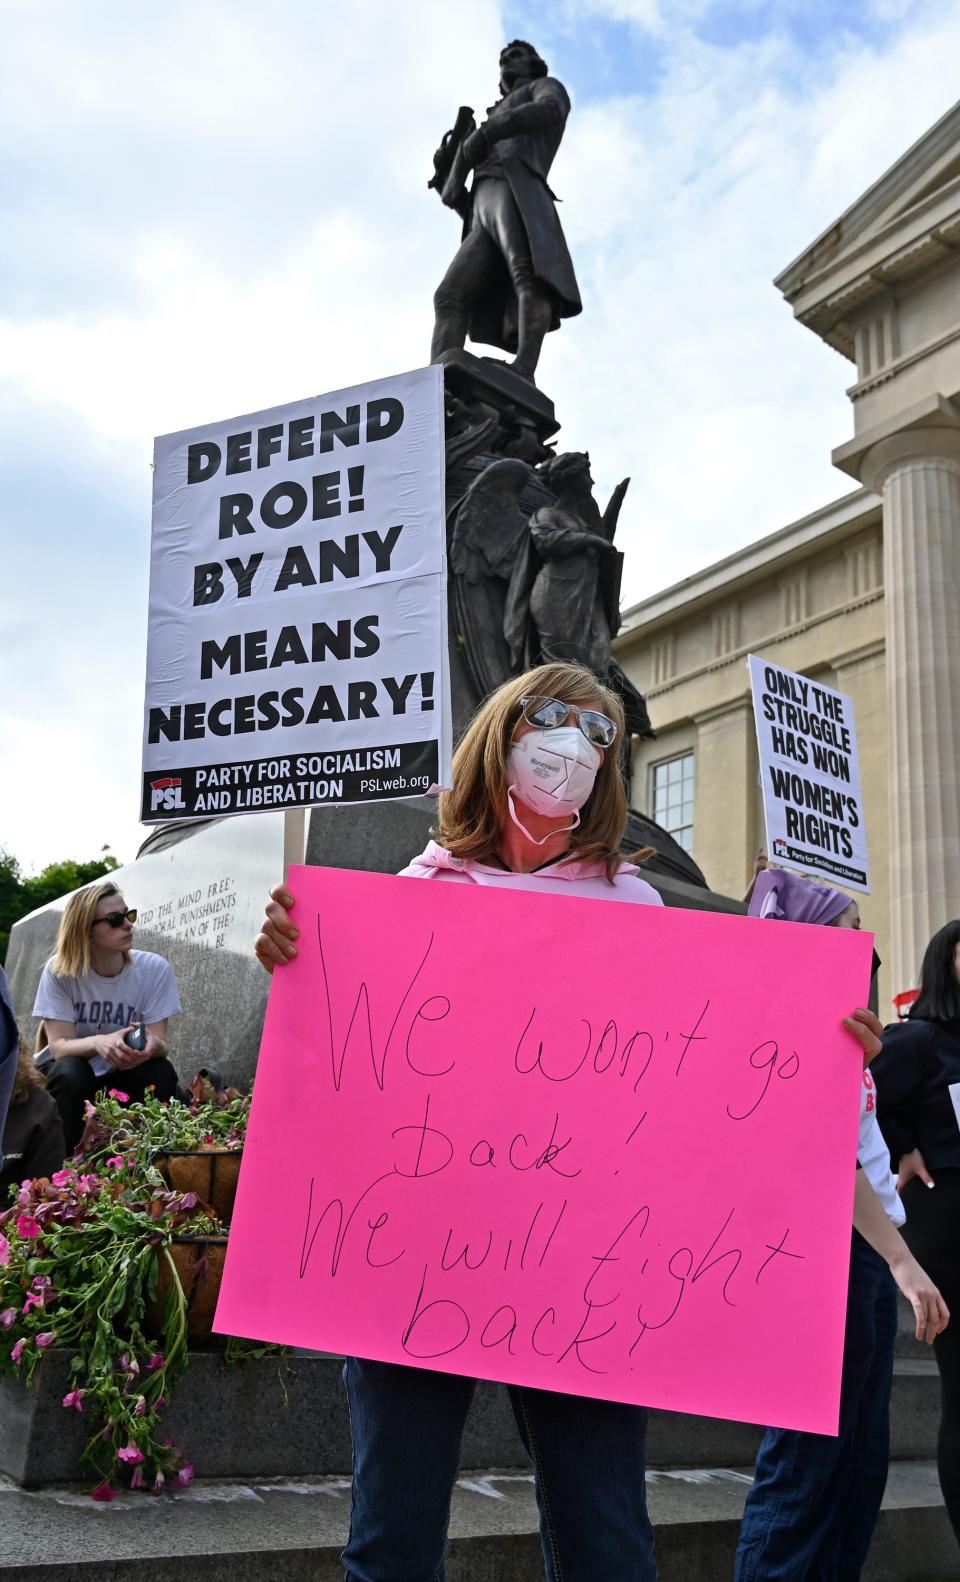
x: 673, y: 798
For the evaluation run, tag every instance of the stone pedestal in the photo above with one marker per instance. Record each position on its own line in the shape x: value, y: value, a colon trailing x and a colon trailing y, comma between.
x: 918, y: 473
x: 517, y: 402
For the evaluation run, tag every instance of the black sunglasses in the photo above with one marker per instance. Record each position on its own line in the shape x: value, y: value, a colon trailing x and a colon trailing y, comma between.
x: 116, y: 919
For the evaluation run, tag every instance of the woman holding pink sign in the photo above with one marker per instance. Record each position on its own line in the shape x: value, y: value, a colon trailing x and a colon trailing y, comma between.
x: 538, y: 804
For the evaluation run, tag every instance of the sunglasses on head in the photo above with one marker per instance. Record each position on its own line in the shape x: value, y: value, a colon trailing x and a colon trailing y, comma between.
x: 550, y: 713
x: 116, y: 919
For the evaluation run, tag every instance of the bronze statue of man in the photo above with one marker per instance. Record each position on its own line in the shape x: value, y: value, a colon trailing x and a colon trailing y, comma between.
x: 512, y: 279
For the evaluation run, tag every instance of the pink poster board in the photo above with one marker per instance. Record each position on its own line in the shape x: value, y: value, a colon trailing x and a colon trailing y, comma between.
x: 590, y: 1146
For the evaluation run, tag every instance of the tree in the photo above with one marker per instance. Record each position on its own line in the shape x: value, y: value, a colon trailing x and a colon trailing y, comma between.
x: 19, y: 895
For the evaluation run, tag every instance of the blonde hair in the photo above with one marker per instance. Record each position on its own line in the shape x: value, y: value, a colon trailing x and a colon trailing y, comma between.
x: 71, y: 957
x: 472, y: 815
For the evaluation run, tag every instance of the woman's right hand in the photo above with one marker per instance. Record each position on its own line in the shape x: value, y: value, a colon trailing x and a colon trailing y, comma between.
x: 113, y: 1049
x: 929, y: 1309
x: 274, y: 945
x: 913, y: 1164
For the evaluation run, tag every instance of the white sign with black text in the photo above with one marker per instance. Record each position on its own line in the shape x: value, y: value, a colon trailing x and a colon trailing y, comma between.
x: 810, y: 774
x: 297, y: 647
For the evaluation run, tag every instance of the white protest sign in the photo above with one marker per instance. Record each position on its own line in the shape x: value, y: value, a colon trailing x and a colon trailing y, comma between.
x: 810, y: 775
x: 297, y: 648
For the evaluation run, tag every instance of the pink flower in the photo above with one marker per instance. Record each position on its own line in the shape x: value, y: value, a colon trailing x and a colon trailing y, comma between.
x: 46, y: 1338
x: 131, y: 1454
x: 7, y: 1316
x: 27, y: 1226
x: 186, y: 1473
x: 17, y: 1351
x: 137, y: 1479
x: 158, y: 1482
x: 160, y: 1402
x: 37, y: 1295
x: 115, y: 1162
x: 62, y: 1178
x: 156, y: 1361
x: 88, y: 1109
x: 4, y: 1250
x: 102, y: 1492
x: 140, y: 1406
x: 74, y: 1398
x: 122, y: 1098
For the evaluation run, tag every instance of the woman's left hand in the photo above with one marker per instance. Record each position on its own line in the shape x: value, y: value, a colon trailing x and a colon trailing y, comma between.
x: 866, y: 1029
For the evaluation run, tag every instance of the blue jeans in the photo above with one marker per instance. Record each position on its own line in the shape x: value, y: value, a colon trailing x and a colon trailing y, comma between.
x: 588, y: 1458
x: 811, y: 1512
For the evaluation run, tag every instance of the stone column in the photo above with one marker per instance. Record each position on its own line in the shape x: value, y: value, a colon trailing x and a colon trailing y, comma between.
x: 918, y: 473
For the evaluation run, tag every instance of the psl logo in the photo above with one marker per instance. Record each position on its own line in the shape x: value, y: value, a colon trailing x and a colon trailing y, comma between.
x: 166, y: 794
x: 779, y: 848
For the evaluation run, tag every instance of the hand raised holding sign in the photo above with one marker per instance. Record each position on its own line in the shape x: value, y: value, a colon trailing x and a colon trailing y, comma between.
x: 276, y: 941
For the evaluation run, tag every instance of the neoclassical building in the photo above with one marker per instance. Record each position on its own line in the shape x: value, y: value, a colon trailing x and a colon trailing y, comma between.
x: 864, y: 594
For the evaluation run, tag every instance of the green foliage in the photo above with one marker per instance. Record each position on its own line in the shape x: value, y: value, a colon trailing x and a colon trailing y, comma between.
x: 155, y: 1126
x: 20, y: 895
x: 78, y: 1266
x: 80, y: 1258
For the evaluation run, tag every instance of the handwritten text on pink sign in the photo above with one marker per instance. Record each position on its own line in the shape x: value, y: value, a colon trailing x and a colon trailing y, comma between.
x: 589, y: 1146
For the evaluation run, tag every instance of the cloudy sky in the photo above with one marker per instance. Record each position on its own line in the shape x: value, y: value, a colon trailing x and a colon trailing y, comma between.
x: 209, y: 208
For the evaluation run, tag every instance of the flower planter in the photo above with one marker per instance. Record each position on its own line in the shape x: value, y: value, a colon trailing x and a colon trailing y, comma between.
x: 210, y: 1172
x: 81, y: 1252
x: 198, y: 1261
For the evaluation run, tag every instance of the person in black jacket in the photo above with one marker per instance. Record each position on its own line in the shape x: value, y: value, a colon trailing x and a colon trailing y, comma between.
x: 917, y: 1075
x: 33, y: 1142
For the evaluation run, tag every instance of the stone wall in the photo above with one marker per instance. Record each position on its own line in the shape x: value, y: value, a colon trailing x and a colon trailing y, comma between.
x: 200, y: 894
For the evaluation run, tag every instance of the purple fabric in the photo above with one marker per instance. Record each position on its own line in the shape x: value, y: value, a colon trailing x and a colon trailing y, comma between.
x: 778, y: 893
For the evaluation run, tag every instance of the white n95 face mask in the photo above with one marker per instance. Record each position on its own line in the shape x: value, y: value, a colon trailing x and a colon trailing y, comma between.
x: 553, y: 773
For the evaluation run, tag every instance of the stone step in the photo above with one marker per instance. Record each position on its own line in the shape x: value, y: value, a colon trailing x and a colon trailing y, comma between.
x: 292, y: 1531
x: 40, y: 1442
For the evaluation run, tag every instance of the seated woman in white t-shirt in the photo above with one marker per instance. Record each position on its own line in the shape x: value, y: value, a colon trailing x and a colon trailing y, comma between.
x: 93, y: 990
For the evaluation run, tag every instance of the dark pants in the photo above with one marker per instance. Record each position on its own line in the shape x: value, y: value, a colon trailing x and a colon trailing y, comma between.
x: 815, y: 1499
x: 933, y: 1233
x: 588, y: 1459
x: 497, y: 238
x: 72, y: 1081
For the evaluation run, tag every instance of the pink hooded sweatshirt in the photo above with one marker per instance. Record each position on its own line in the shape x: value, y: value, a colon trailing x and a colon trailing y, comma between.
x: 555, y: 878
